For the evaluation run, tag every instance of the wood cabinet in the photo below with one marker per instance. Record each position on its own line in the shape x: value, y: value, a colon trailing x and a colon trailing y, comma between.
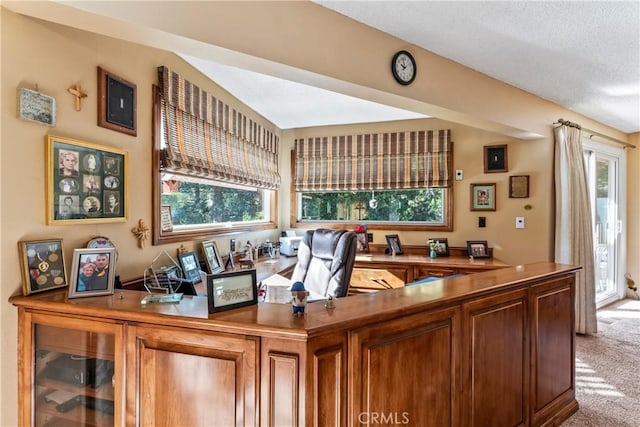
x: 493, y: 348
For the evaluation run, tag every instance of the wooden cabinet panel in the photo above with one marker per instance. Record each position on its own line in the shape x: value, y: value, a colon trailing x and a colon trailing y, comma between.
x: 405, y: 371
x: 284, y: 389
x: 188, y: 378
x: 553, y: 347
x: 495, y: 360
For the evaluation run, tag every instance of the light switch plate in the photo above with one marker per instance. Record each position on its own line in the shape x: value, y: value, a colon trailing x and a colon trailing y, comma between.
x: 459, y: 174
x: 519, y: 222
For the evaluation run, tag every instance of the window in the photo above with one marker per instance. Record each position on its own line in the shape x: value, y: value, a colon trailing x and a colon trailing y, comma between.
x: 201, y: 204
x: 215, y: 168
x: 397, y: 179
x: 424, y: 206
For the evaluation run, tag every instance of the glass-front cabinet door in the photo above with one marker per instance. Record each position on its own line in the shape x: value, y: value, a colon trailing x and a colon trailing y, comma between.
x: 76, y: 377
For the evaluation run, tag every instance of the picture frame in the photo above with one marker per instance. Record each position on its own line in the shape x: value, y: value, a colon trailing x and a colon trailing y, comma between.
x: 393, y: 244
x: 42, y: 265
x: 212, y: 256
x: 36, y: 107
x: 483, y: 196
x: 478, y: 249
x: 226, y: 291
x: 190, y: 267
x: 362, y: 243
x: 92, y: 272
x: 85, y: 182
x: 519, y: 186
x: 442, y: 246
x: 117, y: 103
x: 495, y: 158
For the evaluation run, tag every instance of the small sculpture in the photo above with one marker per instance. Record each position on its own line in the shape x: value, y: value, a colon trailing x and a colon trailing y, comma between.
x: 299, y: 298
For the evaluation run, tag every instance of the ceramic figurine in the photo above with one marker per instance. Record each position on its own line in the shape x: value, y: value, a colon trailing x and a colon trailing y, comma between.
x: 299, y: 298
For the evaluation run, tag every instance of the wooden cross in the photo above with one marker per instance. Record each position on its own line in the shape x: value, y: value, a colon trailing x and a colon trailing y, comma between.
x: 78, y: 93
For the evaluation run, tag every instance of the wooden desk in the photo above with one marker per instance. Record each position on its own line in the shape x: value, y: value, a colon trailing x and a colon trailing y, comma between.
x: 492, y: 348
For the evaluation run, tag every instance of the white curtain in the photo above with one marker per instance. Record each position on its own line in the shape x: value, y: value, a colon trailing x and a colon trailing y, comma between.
x: 574, y: 231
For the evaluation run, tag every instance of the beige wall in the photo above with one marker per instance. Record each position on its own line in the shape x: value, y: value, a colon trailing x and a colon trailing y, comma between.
x: 524, y: 158
x: 54, y: 58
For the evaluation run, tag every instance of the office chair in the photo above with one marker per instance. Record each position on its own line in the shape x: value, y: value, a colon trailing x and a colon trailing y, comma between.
x: 325, y: 262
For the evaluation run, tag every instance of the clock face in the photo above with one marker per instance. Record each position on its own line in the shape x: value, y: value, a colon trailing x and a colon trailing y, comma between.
x: 403, y: 67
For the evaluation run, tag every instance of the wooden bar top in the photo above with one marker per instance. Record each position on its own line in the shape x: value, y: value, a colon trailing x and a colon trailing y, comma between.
x: 449, y: 261
x: 265, y: 319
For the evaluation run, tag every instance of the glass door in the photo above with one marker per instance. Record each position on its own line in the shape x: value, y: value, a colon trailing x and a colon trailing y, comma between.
x: 606, y: 176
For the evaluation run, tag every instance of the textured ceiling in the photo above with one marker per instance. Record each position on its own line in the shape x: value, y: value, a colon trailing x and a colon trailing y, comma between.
x: 582, y: 55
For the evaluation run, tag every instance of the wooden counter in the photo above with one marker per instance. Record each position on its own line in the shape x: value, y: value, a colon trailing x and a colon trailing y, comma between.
x: 492, y: 348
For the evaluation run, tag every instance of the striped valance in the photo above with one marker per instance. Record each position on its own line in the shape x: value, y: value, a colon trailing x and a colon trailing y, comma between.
x: 204, y: 137
x: 382, y: 161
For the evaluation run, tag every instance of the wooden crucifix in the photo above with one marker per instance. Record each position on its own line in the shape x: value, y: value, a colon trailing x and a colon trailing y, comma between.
x: 78, y: 93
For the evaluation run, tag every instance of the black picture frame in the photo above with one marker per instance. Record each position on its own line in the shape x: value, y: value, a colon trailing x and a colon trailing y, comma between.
x: 478, y: 249
x: 495, y: 158
x: 212, y: 257
x: 226, y: 291
x: 117, y: 99
x: 442, y: 245
x: 86, y: 182
x: 190, y: 267
x: 394, y: 247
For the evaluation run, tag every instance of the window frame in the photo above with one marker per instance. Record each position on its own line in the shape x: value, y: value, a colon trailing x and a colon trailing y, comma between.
x: 161, y: 237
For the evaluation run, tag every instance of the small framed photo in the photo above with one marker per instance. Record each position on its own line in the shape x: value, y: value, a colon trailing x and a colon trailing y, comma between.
x: 495, y: 158
x: 36, y: 107
x: 116, y: 103
x: 190, y: 267
x: 478, y: 248
x: 93, y: 272
x: 441, y: 245
x: 212, y: 257
x: 226, y: 291
x: 483, y: 197
x: 519, y: 186
x: 393, y: 244
x: 79, y: 188
x: 42, y: 265
x: 362, y: 244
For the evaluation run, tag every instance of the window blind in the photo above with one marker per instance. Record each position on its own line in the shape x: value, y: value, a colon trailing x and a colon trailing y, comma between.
x: 205, y: 138
x: 384, y: 161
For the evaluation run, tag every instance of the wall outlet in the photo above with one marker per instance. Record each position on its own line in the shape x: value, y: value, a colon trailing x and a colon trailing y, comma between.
x: 519, y: 222
x: 459, y: 174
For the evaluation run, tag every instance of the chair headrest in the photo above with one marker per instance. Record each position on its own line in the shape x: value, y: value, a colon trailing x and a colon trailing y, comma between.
x: 324, y: 242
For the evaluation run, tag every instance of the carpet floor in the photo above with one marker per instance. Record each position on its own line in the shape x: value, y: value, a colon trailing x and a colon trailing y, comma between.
x: 608, y: 370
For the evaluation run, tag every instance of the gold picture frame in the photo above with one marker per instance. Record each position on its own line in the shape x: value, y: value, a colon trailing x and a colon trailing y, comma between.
x: 42, y: 265
x: 86, y: 182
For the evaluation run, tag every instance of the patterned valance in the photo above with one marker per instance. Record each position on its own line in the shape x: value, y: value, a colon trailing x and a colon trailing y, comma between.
x: 206, y: 138
x: 383, y: 161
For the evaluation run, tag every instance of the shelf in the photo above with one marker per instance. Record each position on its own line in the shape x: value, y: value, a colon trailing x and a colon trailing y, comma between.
x: 105, y: 391
x: 81, y: 415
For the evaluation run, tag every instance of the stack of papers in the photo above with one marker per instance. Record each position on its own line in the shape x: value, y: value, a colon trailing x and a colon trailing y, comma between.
x: 276, y: 289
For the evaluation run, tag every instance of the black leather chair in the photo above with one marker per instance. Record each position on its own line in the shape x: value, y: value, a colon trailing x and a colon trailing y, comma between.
x: 325, y: 262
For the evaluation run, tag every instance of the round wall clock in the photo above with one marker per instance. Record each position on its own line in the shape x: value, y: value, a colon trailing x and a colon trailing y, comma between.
x: 403, y: 67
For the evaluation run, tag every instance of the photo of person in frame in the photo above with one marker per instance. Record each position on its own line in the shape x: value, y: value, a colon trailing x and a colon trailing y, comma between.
x: 68, y: 163
x: 68, y: 206
x: 111, y: 203
x: 93, y: 274
x: 68, y: 185
x: 91, y: 184
x: 111, y: 166
x: 91, y: 205
x: 111, y: 182
x: 91, y: 163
